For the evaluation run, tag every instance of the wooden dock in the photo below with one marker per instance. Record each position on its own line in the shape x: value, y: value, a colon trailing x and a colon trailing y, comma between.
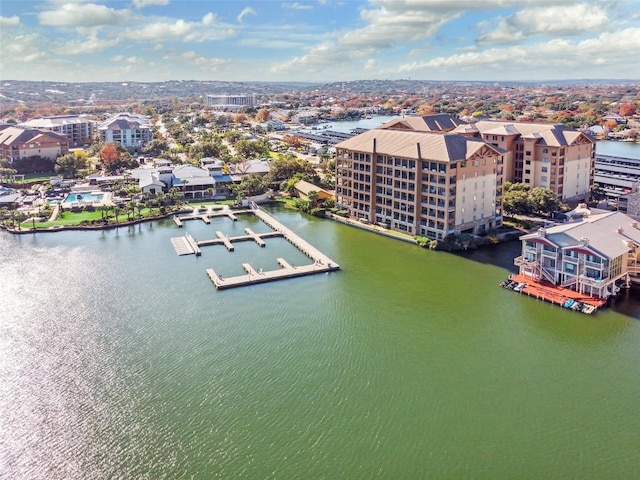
x: 194, y: 244
x: 207, y: 216
x: 256, y: 237
x: 254, y: 277
x: 301, y: 244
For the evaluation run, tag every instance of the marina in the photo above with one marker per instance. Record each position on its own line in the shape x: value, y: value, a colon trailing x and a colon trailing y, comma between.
x: 188, y: 245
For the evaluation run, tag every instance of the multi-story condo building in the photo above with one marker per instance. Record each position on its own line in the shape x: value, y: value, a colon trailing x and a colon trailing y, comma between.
x: 421, y: 183
x: 552, y: 156
x: 79, y: 130
x: 588, y: 255
x: 128, y: 129
x: 19, y: 143
x: 231, y: 102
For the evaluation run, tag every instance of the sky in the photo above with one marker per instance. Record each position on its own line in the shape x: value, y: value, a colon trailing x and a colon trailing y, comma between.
x: 318, y: 40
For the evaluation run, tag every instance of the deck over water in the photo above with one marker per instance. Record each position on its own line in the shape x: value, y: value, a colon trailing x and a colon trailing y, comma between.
x: 555, y: 294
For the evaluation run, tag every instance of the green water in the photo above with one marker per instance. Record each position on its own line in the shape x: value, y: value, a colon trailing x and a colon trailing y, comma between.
x: 118, y: 359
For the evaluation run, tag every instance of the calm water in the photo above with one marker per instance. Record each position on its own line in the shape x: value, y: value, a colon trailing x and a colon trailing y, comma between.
x: 118, y: 359
x: 621, y: 149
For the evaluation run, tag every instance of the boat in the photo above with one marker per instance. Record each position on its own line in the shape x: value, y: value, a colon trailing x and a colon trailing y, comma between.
x: 569, y: 303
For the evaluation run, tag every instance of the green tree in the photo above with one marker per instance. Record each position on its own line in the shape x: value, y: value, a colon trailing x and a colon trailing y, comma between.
x: 251, y: 148
x: 285, y: 167
x: 516, y: 202
x: 542, y: 200
x: 70, y: 163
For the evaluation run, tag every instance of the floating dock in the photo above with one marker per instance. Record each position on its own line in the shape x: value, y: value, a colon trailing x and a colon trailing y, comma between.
x: 563, y: 297
x: 182, y: 246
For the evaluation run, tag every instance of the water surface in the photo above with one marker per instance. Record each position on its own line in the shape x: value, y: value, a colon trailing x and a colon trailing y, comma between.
x: 118, y: 359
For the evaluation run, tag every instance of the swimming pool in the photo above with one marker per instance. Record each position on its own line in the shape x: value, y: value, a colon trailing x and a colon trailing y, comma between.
x: 84, y: 198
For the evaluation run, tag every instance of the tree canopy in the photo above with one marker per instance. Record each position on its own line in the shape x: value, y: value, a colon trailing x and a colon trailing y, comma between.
x: 519, y: 199
x: 70, y: 163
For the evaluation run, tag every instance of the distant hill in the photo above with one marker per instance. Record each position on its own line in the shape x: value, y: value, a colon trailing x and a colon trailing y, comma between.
x: 13, y: 92
x: 18, y: 91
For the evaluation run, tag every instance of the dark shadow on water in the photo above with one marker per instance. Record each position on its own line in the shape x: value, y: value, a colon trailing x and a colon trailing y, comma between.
x: 500, y: 255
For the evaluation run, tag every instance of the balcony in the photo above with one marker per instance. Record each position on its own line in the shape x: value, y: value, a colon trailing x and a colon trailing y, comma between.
x: 523, y: 262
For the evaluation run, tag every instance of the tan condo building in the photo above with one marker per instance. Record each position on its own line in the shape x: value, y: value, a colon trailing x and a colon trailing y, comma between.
x: 551, y: 156
x: 420, y: 183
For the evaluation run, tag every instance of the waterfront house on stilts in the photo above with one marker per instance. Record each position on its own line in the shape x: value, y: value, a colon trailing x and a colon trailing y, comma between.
x: 591, y: 254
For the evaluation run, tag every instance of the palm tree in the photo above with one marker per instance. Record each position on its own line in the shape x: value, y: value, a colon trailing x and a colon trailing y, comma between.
x: 116, y: 211
x: 313, y: 198
x: 131, y: 209
x: 104, y: 211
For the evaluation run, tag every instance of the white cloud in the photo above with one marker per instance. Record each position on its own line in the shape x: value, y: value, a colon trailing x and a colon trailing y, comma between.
x: 146, y: 3
x: 84, y: 46
x: 553, y: 20
x: 246, y: 11
x: 297, y: 6
x: 544, y: 59
x: 180, y: 30
x: 9, y: 22
x: 388, y: 25
x: 123, y: 59
x: 82, y: 15
x: 209, y: 19
x: 194, y: 59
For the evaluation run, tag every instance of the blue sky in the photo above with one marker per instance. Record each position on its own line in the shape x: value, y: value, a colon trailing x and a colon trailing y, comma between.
x: 318, y: 40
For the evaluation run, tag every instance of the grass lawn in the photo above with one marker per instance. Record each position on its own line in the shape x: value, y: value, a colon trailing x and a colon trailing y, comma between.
x: 36, y: 177
x: 73, y: 218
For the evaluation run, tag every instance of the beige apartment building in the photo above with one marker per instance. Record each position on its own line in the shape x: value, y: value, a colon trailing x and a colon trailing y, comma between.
x: 419, y: 182
x: 552, y: 156
x: 79, y: 130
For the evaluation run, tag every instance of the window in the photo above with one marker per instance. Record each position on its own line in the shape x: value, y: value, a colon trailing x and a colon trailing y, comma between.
x: 545, y: 150
x: 545, y: 159
x: 544, y: 169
